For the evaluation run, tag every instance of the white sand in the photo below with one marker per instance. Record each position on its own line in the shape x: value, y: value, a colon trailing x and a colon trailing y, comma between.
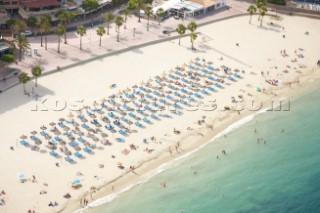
x: 90, y: 82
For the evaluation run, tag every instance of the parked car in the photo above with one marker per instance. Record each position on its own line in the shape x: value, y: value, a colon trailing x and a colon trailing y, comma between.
x: 27, y: 33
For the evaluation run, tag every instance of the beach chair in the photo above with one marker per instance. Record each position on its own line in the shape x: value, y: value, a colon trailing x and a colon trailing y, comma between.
x: 138, y: 124
x: 61, y: 124
x: 197, y: 95
x: 162, y: 100
x: 70, y: 121
x: 190, y: 66
x: 171, y: 76
x: 70, y: 160
x: 230, y: 78
x: 85, y: 126
x: 156, y: 93
x: 109, y: 127
x: 190, y: 98
x: 170, y: 86
x: 184, y: 91
x: 204, y: 92
x: 149, y: 96
x: 154, y: 104
x: 211, y: 88
x: 34, y: 138
x: 95, y: 122
x: 210, y: 67
x: 120, y: 140
x: 24, y: 143
x: 43, y: 133
x: 53, y: 153
x: 111, y: 114
x: 81, y: 116
x: 197, y: 63
x: 169, y: 97
x: 80, y: 139
x: 73, y: 143
x: 237, y: 75
x: 122, y: 132
x: 204, y: 70
x: 146, y: 120
x: 217, y: 85
x: 154, y: 116
x: 177, y: 94
x: 183, y: 102
x: 87, y: 150
x: 184, y: 80
x: 78, y: 154
x: 140, y: 111
x: 57, y: 138
x: 176, y: 105
x: 132, y: 115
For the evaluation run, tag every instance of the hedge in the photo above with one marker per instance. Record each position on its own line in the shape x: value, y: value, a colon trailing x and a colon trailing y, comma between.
x: 7, y: 58
x: 278, y: 2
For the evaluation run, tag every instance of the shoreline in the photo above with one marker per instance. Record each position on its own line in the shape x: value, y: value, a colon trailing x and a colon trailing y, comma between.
x: 149, y: 168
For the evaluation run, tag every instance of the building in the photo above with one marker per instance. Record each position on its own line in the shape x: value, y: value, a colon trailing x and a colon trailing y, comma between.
x: 29, y: 8
x: 189, y: 8
x: 11, y: 6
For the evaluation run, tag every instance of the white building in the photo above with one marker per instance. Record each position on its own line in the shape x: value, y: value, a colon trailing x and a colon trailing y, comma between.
x: 187, y: 8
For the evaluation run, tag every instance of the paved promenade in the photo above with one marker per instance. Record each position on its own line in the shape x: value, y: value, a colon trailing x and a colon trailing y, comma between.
x: 70, y: 53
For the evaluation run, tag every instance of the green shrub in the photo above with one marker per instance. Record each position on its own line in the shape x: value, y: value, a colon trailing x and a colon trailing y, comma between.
x: 7, y: 58
x: 278, y: 2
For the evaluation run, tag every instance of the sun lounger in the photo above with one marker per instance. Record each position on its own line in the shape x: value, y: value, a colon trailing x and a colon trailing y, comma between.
x: 86, y: 149
x: 81, y: 116
x: 170, y: 86
x: 80, y: 139
x: 230, y: 78
x: 204, y: 92
x: 184, y: 80
x: 176, y: 105
x: 154, y: 116
x: 138, y: 124
x: 190, y: 98
x: 183, y: 102
x: 68, y: 159
x: 53, y: 153
x: 122, y: 132
x: 177, y: 94
x: 210, y: 67
x: 71, y: 121
x: 120, y: 140
x: 24, y: 143
x: 171, y: 76
x: 197, y: 95
x: 204, y: 70
x: 109, y: 127
x: 73, y: 143
x: 237, y: 75
x: 149, y: 96
x: 139, y: 111
x: 34, y: 138
x: 190, y: 66
x: 210, y: 78
x: 156, y: 92
x: 111, y: 114
x: 155, y: 104
x: 162, y: 100
x: 78, y: 154
x: 43, y: 133
x: 197, y: 63
x: 132, y: 115
x: 146, y: 120
x: 57, y: 138
x: 169, y: 97
x: 211, y: 88
x: 217, y: 85
x: 61, y: 124
x: 85, y: 126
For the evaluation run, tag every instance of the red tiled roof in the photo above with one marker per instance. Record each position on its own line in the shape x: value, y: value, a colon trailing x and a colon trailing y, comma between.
x: 39, y: 3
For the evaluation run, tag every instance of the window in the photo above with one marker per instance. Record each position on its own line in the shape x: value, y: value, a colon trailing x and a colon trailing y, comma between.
x: 14, y: 2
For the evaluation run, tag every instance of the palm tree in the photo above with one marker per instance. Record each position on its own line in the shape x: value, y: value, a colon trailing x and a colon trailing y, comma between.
x: 125, y: 12
x: 119, y: 22
x: 65, y: 17
x: 136, y: 4
x: 22, y: 43
x: 192, y: 26
x: 60, y: 30
x: 46, y: 29
x: 108, y: 17
x: 148, y: 13
x: 42, y: 23
x: 32, y: 23
x: 100, y: 32
x: 193, y: 36
x: 36, y: 72
x: 160, y: 13
x: 262, y: 11
x: 23, y: 79
x: 19, y: 26
x: 81, y: 30
x: 259, y: 4
x: 251, y: 10
x: 181, y: 29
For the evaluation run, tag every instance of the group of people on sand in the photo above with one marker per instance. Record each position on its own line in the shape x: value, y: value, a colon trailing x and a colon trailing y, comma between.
x: 2, y: 200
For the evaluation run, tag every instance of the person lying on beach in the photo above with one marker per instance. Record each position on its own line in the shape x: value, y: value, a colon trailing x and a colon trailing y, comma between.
x: 67, y: 196
x: 43, y: 192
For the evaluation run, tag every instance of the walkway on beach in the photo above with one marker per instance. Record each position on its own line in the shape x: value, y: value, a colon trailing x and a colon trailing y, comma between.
x: 70, y: 53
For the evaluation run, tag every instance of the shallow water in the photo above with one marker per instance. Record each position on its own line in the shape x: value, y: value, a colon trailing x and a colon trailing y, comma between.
x: 281, y: 175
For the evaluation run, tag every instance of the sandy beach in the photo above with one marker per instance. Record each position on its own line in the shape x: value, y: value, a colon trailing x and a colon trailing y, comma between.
x: 279, y: 51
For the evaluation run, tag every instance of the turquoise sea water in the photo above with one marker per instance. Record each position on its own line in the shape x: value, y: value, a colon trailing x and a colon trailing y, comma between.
x: 282, y: 175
